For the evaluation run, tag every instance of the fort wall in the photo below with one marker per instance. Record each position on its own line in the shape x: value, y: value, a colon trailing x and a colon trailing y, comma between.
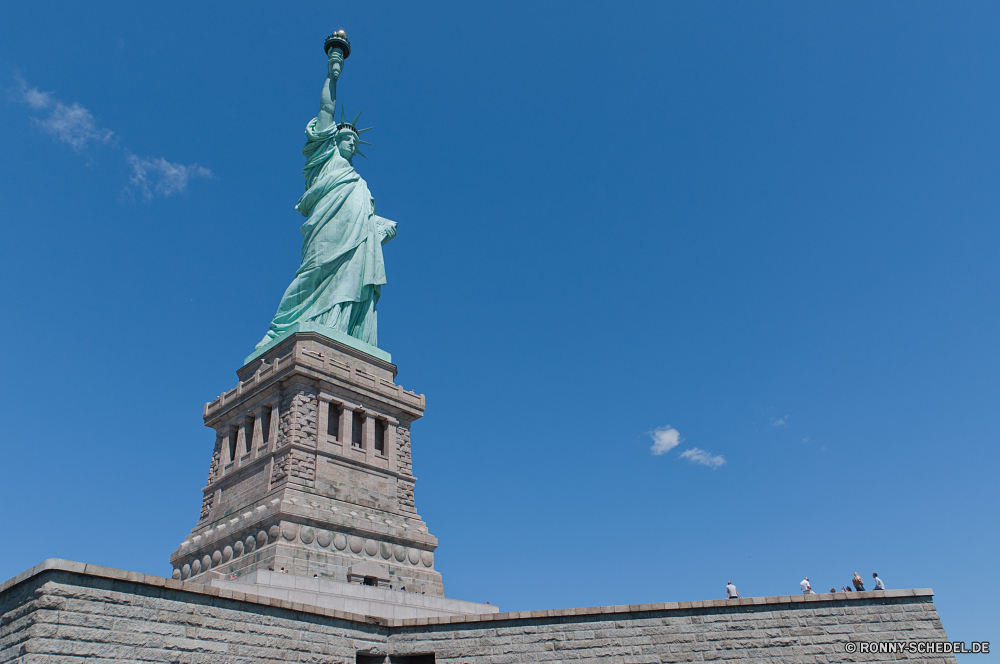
x: 63, y: 611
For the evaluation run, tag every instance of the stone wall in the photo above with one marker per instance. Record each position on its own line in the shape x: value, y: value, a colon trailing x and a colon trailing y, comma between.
x: 17, y: 619
x: 772, y: 631
x: 62, y: 611
x: 241, y: 487
x: 363, y: 487
x: 62, y: 616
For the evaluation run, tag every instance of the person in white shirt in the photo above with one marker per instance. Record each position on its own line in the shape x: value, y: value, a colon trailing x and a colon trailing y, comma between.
x: 731, y: 592
x: 878, y: 582
x: 806, y: 588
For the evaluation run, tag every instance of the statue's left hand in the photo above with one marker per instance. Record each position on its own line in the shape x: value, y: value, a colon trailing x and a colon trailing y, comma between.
x: 386, y: 228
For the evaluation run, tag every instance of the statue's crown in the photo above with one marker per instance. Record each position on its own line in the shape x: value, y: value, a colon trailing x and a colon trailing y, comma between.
x: 350, y: 126
x: 339, y: 40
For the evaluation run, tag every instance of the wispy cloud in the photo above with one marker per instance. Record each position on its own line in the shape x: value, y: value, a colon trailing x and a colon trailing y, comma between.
x: 667, y: 438
x: 703, y: 457
x: 75, y: 125
x: 71, y: 124
x: 32, y: 97
x: 806, y: 439
x: 664, y: 439
x: 156, y: 175
x: 779, y: 422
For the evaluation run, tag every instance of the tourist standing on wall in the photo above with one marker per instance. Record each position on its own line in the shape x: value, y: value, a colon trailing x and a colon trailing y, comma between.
x: 859, y: 584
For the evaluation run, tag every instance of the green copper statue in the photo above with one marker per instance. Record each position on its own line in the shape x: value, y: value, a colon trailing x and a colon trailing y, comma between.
x: 339, y: 282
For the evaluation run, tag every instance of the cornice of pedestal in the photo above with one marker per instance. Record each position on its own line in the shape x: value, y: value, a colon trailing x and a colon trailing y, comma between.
x: 342, y: 343
x: 329, y: 372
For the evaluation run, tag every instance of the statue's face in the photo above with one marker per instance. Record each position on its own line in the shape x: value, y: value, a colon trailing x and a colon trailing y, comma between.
x: 347, y: 143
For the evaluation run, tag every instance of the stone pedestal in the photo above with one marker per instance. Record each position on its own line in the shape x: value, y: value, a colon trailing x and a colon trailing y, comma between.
x: 311, y: 472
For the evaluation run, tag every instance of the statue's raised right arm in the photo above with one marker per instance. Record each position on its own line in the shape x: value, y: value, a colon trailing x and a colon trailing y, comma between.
x: 328, y: 98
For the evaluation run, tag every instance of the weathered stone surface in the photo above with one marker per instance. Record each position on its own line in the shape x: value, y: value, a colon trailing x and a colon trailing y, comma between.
x: 312, y: 448
x: 63, y: 612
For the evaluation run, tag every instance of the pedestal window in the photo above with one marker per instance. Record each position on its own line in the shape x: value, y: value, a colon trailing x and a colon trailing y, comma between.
x: 333, y: 421
x: 265, y: 425
x: 234, y: 436
x: 358, y: 430
x: 379, y: 437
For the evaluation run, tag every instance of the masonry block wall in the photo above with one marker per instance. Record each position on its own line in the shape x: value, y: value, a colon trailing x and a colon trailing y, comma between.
x: 62, y: 617
x: 62, y: 611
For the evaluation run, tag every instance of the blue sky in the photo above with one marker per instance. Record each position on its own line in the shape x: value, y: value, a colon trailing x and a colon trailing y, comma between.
x: 766, y: 232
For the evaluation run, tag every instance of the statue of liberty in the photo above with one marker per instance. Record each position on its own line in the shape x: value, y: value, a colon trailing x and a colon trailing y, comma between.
x: 339, y: 281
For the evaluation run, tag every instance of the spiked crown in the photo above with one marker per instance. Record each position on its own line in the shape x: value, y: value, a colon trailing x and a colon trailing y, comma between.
x: 351, y: 127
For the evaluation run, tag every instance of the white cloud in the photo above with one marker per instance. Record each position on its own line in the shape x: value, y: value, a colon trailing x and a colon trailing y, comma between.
x: 664, y: 439
x: 75, y: 125
x: 33, y: 98
x: 806, y: 439
x: 72, y: 124
x: 703, y: 457
x: 156, y: 175
x: 780, y: 422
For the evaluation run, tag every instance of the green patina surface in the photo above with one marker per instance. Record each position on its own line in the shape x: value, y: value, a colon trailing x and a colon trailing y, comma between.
x: 339, y: 282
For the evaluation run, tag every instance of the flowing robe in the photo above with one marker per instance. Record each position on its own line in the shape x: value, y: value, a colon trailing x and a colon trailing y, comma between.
x: 339, y: 281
